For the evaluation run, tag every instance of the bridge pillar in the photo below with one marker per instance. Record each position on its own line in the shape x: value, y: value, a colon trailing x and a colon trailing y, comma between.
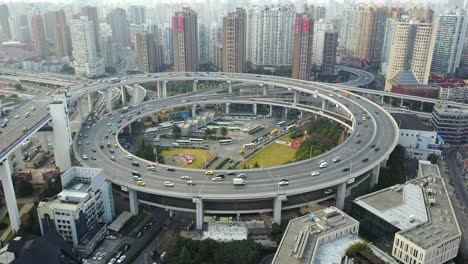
x: 164, y: 89
x: 124, y: 99
x: 227, y: 108
x: 158, y: 88
x: 19, y: 159
x: 286, y: 113
x: 296, y: 97
x: 194, y: 110
x: 401, y: 102
x: 277, y: 205
x: 136, y: 93
x: 44, y: 141
x: 132, y: 197
x: 198, y: 212
x: 10, y: 198
x: 264, y: 90
x: 194, y: 86
x: 375, y: 175
x: 254, y: 106
x: 382, y: 100
x: 109, y: 99
x: 90, y: 103
x: 62, y: 133
x: 340, y: 196
x: 229, y: 86
x: 171, y: 213
x: 325, y: 104
x: 271, y: 110
x: 422, y: 105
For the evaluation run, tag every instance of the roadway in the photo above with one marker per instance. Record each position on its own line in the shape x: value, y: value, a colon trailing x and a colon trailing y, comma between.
x: 363, y: 77
x: 261, y: 183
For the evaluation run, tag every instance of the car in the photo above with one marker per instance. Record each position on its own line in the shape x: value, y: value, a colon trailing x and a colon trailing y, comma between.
x: 322, y: 161
x: 25, y: 129
x: 111, y: 151
x: 135, y: 164
x: 190, y: 182
x: 136, y: 173
x: 328, y: 191
x: 141, y: 183
x: 216, y: 179
x: 209, y: 172
x: 358, y: 141
x: 336, y: 159
x: 230, y: 173
x: 365, y: 160
x: 220, y: 175
x: 112, y: 158
x: 151, y: 168
x: 283, y: 183
x: 185, y: 178
x: 139, y: 234
x: 126, y: 247
x: 130, y: 157
x: 242, y: 175
x: 168, y: 184
x: 85, y: 157
x: 112, y: 261
x: 121, y: 259
x: 93, y: 158
x: 137, y: 178
x: 366, y: 125
x: 358, y: 134
x: 323, y: 165
x: 315, y: 173
x: 16, y: 116
x: 93, y: 149
x: 377, y: 149
x: 171, y: 169
x: 116, y: 145
x: 87, y: 142
x: 372, y: 146
x: 346, y: 169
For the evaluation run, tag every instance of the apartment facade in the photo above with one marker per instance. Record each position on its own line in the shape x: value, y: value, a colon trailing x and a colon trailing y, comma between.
x: 234, y: 41
x: 148, y: 55
x: 185, y: 40
x: 303, y: 47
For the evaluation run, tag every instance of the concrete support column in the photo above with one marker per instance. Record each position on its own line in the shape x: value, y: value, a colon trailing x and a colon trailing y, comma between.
x: 375, y: 175
x: 422, y: 105
x: 19, y: 159
x: 254, y: 109
x: 382, y: 100
x: 158, y: 88
x: 124, y: 99
x: 136, y: 93
x: 194, y: 110
x: 44, y: 141
x: 194, y: 87
x: 401, y: 102
x: 79, y: 109
x: 164, y: 89
x: 109, y: 100
x: 229, y: 86
x: 171, y: 213
x: 10, y: 198
x: 264, y: 90
x: 237, y: 216
x: 62, y: 133
x: 296, y: 97
x: 325, y: 104
x: 277, y: 205
x: 90, y: 103
x: 227, y: 108
x: 132, y: 197
x: 286, y: 113
x: 340, y: 196
x: 198, y: 212
x: 271, y: 110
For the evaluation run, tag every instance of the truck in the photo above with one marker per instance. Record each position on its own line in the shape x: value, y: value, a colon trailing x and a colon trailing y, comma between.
x: 345, y: 94
x: 238, y: 181
x: 274, y: 132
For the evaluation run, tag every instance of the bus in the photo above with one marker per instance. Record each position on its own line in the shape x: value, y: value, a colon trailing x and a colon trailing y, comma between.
x: 253, y: 129
x: 225, y: 142
x: 124, y: 110
x: 281, y: 123
x: 222, y: 123
x: 274, y: 132
x: 196, y: 140
x: 184, y: 142
x: 291, y: 127
x: 249, y: 145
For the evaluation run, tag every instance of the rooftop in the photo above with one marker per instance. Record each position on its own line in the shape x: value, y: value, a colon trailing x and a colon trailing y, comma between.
x: 410, y: 121
x: 226, y: 231
x: 420, y: 208
x: 447, y: 82
x: 302, y: 234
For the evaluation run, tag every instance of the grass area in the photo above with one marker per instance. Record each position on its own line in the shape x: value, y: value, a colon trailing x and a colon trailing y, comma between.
x: 131, y: 224
x: 273, y: 155
x: 201, y: 156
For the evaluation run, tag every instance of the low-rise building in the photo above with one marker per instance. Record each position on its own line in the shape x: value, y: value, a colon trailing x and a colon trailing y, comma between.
x: 414, y: 222
x: 450, y: 88
x: 451, y: 123
x: 79, y: 213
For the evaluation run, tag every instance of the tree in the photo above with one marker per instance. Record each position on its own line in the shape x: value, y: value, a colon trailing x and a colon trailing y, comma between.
x: 224, y: 131
x: 24, y: 188
x: 432, y: 158
x: 19, y: 87
x: 110, y: 70
x: 67, y: 69
x: 207, y: 133
x: 214, y: 130
x: 256, y: 165
x: 355, y: 248
x: 144, y: 149
x: 176, y: 131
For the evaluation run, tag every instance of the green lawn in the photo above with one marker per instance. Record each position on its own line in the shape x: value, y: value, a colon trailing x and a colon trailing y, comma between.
x: 200, y: 155
x: 273, y: 155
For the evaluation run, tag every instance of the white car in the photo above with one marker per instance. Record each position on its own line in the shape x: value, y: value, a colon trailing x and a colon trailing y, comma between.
x: 323, y: 165
x: 112, y: 158
x: 130, y: 157
x: 283, y: 183
x: 322, y: 161
x: 216, y: 179
x: 168, y: 184
x: 315, y: 173
x: 336, y: 159
x: 190, y: 182
x: 112, y: 261
x: 151, y: 168
x: 121, y: 259
x: 85, y: 157
x: 16, y: 116
x: 329, y: 191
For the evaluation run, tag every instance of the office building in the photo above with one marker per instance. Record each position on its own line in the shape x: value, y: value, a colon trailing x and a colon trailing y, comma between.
x: 41, y: 46
x: 137, y: 14
x: 414, y: 222
x: 148, y: 55
x: 450, y: 31
x: 423, y: 14
x: 318, y: 40
x: 215, y: 39
x: 86, y: 61
x: 50, y: 20
x: 303, y: 48
x: 4, y: 23
x: 412, y: 48
x: 185, y: 40
x: 204, y: 43
x: 307, y: 239
x: 218, y: 56
x: 117, y: 19
x: 62, y: 37
x: 109, y: 49
x: 329, y: 53
x: 234, y: 41
x: 91, y: 13
x: 80, y: 212
x: 451, y: 123
x: 251, y: 51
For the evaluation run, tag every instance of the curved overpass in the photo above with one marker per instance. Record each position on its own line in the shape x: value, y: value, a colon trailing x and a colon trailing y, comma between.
x: 362, y: 77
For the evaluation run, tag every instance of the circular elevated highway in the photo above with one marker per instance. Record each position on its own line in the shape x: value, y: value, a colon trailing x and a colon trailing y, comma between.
x: 262, y: 191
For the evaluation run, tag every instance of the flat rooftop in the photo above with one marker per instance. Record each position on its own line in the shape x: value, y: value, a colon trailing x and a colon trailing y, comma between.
x: 420, y: 208
x: 326, y: 221
x: 226, y: 231
x: 410, y: 121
